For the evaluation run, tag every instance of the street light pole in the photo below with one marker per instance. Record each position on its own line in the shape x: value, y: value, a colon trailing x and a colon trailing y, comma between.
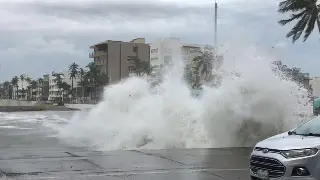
x: 215, y: 24
x: 215, y: 46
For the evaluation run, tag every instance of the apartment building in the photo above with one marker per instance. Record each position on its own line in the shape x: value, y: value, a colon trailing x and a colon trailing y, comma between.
x: 165, y: 51
x: 41, y: 93
x: 112, y: 57
x: 53, y: 89
x: 20, y: 92
x: 45, y: 87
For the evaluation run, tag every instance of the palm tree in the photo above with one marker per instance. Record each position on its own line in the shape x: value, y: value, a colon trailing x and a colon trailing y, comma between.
x: 58, y: 80
x: 141, y: 67
x: 92, y: 76
x: 147, y: 68
x: 93, y: 71
x: 22, y: 78
x: 188, y: 75
x: 14, y: 82
x: 73, y: 72
x: 40, y: 87
x: 65, y: 89
x: 307, y: 14
x: 102, y: 80
x: 203, y: 65
x: 6, y: 86
x: 28, y: 80
x: 83, y: 81
x: 33, y: 86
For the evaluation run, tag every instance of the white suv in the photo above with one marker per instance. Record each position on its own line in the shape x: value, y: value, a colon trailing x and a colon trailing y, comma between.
x: 290, y: 155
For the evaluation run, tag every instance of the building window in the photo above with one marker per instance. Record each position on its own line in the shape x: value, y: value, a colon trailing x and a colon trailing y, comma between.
x: 135, y: 49
x: 168, y: 50
x: 132, y: 69
x: 154, y: 59
x: 167, y: 59
x: 130, y: 58
x: 154, y: 50
x: 189, y: 49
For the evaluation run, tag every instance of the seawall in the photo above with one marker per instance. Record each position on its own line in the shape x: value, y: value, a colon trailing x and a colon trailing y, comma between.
x: 10, y: 105
x: 35, y: 108
x: 13, y: 102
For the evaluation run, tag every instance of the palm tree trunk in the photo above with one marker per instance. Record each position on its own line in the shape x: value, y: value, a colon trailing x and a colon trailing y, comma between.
x: 76, y: 94
x: 22, y: 90
x: 72, y: 90
x: 42, y: 93
x: 91, y: 89
x: 82, y: 94
x: 17, y: 93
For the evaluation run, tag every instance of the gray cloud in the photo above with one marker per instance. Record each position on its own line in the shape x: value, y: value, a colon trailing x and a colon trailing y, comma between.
x: 39, y: 36
x: 125, y: 9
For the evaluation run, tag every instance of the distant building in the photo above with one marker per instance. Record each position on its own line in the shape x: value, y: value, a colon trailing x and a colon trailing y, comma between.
x: 22, y: 93
x: 53, y: 89
x: 45, y: 87
x: 41, y: 93
x: 2, y: 91
x: 315, y: 85
x: 165, y: 51
x: 112, y: 57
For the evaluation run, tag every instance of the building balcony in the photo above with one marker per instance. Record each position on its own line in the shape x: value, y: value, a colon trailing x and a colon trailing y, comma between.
x: 97, y: 54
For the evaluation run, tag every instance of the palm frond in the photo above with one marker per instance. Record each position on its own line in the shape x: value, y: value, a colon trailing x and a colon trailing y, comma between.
x: 310, y: 25
x: 294, y: 5
x: 298, y: 29
x: 307, y: 17
x: 293, y: 17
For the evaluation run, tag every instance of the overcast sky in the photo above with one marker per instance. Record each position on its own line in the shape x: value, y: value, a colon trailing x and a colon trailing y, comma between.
x: 39, y: 36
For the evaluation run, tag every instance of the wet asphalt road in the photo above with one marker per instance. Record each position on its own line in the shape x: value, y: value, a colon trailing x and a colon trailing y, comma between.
x: 31, y: 154
x: 73, y: 163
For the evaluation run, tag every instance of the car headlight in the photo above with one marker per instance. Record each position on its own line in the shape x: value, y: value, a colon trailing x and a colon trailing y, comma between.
x: 296, y: 153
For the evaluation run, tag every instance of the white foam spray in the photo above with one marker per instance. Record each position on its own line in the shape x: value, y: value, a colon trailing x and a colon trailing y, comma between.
x: 243, y: 110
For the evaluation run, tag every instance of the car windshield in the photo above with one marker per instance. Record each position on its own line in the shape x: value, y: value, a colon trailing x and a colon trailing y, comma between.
x: 311, y: 127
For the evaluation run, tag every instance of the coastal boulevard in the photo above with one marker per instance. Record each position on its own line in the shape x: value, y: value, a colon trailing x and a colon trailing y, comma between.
x: 74, y: 163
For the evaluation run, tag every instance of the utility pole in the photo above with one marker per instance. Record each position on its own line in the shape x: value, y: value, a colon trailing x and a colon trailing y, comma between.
x: 215, y: 25
x: 215, y: 46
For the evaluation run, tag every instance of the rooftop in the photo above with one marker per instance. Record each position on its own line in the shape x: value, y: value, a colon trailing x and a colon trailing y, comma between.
x: 136, y: 40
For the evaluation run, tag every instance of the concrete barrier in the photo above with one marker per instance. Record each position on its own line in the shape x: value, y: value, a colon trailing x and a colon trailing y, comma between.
x: 80, y: 106
x: 10, y: 105
x: 35, y: 108
x: 13, y: 102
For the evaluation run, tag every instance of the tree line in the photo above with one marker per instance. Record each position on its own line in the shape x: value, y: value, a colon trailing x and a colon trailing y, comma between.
x: 90, y: 79
x: 85, y: 82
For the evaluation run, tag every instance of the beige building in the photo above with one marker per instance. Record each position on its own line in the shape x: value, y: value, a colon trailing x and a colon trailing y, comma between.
x: 112, y: 56
x: 315, y: 84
